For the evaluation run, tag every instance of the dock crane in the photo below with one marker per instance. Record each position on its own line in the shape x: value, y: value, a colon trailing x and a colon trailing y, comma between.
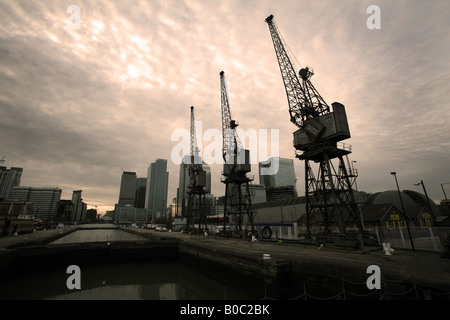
x: 330, y: 201
x: 197, y: 182
x: 238, y: 211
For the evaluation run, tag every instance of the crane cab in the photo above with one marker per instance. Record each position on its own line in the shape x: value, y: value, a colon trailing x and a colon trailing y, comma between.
x: 330, y: 127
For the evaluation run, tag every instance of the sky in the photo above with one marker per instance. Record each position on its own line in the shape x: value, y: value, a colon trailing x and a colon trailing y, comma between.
x: 84, y: 98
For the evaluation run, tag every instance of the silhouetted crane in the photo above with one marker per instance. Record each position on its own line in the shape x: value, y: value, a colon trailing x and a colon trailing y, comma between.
x: 197, y: 182
x: 238, y: 202
x: 330, y: 201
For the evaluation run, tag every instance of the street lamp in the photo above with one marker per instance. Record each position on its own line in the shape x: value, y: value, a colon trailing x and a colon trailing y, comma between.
x: 426, y: 195
x: 404, y: 211
x: 442, y: 186
x: 355, y: 174
x: 353, y: 161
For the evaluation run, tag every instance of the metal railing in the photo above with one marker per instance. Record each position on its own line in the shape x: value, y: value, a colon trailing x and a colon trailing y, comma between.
x: 424, y: 238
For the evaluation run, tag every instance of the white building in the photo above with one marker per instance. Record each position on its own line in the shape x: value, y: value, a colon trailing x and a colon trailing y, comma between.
x: 9, y: 178
x: 42, y: 203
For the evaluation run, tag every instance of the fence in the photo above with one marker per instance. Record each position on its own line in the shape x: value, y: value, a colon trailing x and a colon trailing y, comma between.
x: 423, y: 238
x: 287, y: 231
x: 435, y: 239
x: 402, y: 289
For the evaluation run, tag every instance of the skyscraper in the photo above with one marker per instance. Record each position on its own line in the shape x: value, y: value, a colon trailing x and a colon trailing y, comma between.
x: 284, y: 177
x: 127, y: 192
x: 42, y: 203
x: 77, y: 209
x: 141, y: 186
x: 282, y: 184
x: 9, y: 178
x: 157, y: 188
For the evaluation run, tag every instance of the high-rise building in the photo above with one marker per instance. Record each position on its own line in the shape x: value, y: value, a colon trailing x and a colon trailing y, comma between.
x: 157, y: 188
x: 285, y: 175
x: 183, y: 186
x: 79, y: 207
x: 127, y: 191
x: 281, y: 184
x: 65, y: 210
x: 42, y: 203
x: 141, y: 186
x: 9, y: 178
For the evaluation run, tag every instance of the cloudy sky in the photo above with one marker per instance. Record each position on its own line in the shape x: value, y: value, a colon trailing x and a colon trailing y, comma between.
x: 79, y: 106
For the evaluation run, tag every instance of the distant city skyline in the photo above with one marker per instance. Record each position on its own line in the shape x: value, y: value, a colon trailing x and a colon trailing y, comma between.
x: 81, y: 105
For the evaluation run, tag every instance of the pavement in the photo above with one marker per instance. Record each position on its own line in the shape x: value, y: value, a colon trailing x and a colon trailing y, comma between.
x: 37, y: 237
x: 424, y: 267
x: 42, y: 236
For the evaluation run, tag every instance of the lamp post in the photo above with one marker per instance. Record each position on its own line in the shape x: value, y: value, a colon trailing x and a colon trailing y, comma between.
x: 354, y: 173
x: 442, y: 186
x: 404, y: 211
x: 426, y: 195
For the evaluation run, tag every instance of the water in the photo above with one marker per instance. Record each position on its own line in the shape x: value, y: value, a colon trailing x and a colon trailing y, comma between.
x: 116, y: 281
x: 98, y: 235
x: 121, y: 281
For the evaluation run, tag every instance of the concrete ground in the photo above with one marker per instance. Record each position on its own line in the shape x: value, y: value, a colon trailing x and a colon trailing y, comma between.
x: 424, y: 267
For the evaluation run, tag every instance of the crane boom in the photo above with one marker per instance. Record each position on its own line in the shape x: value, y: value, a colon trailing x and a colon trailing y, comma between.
x: 194, y: 148
x: 196, y: 172
x: 304, y: 100
x: 231, y: 142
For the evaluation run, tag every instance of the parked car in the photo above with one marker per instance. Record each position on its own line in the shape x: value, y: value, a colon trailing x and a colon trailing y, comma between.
x: 161, y: 227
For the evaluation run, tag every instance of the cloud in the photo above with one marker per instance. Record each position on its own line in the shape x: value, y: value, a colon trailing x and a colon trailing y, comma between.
x: 80, y: 106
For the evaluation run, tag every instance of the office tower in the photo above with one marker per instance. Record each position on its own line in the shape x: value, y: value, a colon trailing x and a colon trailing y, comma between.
x: 65, y: 210
x: 207, y: 169
x: 282, y: 184
x: 127, y: 189
x: 78, y: 208
x: 141, y: 186
x: 157, y: 188
x: 9, y: 178
x: 42, y: 203
x: 183, y: 184
x: 285, y: 176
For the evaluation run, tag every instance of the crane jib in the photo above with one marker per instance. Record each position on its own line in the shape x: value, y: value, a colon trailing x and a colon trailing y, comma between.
x: 303, y: 99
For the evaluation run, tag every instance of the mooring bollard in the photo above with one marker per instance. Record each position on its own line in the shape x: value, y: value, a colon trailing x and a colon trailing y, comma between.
x: 388, y: 245
x: 387, y: 249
